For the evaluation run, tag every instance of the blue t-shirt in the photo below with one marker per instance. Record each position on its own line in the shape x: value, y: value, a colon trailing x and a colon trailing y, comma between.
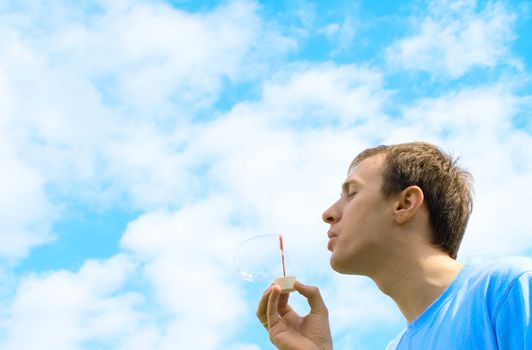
x: 487, y: 306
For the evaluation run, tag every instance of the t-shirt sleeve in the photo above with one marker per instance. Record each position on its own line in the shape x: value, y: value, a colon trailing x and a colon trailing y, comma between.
x: 513, y: 326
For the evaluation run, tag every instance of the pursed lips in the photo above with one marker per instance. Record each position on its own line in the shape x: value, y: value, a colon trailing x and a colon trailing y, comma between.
x: 331, y: 236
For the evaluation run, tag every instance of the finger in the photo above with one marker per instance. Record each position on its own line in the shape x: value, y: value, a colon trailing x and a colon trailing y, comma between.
x: 282, y: 307
x: 262, y: 307
x: 283, y: 300
x: 272, y: 314
x: 313, y: 297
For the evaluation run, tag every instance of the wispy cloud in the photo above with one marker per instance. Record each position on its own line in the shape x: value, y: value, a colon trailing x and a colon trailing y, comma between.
x: 64, y: 310
x: 455, y: 37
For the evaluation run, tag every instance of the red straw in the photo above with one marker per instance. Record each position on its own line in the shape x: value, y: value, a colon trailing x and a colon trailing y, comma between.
x: 282, y: 252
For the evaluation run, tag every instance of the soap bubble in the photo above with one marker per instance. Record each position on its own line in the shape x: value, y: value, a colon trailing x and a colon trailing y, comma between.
x: 258, y: 259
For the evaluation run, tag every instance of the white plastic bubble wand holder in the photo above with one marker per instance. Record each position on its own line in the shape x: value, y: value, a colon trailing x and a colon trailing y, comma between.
x: 285, y: 282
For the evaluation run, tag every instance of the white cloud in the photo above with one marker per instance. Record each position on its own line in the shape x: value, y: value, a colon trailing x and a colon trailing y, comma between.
x: 153, y: 58
x: 456, y: 37
x: 62, y: 310
x: 25, y: 211
x: 187, y: 259
x: 341, y: 35
x: 324, y: 94
x: 485, y: 111
x: 110, y: 95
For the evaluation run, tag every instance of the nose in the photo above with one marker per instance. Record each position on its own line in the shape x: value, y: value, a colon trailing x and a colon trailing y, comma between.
x: 331, y: 215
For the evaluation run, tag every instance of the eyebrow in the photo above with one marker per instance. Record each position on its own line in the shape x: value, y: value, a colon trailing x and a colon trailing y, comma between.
x: 346, y: 184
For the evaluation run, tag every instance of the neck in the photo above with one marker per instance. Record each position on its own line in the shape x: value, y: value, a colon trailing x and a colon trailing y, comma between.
x: 415, y: 282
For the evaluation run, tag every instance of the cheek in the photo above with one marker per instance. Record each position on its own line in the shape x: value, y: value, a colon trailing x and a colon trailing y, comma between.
x: 355, y: 215
x: 363, y: 220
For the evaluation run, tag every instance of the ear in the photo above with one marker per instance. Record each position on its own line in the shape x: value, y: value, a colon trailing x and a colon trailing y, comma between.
x: 408, y: 203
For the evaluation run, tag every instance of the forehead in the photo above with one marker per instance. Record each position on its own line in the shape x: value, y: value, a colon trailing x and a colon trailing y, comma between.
x: 367, y: 171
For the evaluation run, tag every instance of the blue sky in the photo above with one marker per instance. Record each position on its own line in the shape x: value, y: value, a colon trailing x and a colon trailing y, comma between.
x: 142, y: 141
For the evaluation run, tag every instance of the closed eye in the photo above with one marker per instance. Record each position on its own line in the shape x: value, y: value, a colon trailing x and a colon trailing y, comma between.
x: 349, y: 188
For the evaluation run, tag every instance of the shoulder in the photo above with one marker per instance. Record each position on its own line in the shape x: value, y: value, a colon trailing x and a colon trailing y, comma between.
x: 512, y: 310
x: 497, y: 281
x: 502, y: 269
x: 493, y: 278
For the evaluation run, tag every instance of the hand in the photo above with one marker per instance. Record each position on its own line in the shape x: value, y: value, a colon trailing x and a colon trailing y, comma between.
x: 288, y: 330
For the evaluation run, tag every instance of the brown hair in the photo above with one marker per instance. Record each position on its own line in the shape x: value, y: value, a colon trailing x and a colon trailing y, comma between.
x: 447, y: 188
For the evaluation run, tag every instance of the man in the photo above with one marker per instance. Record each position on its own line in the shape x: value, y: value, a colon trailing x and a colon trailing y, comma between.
x: 400, y: 220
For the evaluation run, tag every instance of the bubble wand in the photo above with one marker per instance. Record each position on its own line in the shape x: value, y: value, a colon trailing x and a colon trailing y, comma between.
x: 282, y: 252
x: 286, y: 282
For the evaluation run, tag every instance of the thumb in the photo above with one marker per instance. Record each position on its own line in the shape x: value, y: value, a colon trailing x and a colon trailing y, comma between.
x: 313, y: 297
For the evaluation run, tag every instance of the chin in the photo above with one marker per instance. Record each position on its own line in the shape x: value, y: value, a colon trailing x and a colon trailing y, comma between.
x: 337, y: 265
x: 344, y: 267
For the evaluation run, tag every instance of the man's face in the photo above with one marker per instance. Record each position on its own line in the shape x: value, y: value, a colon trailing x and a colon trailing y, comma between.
x: 360, y: 220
